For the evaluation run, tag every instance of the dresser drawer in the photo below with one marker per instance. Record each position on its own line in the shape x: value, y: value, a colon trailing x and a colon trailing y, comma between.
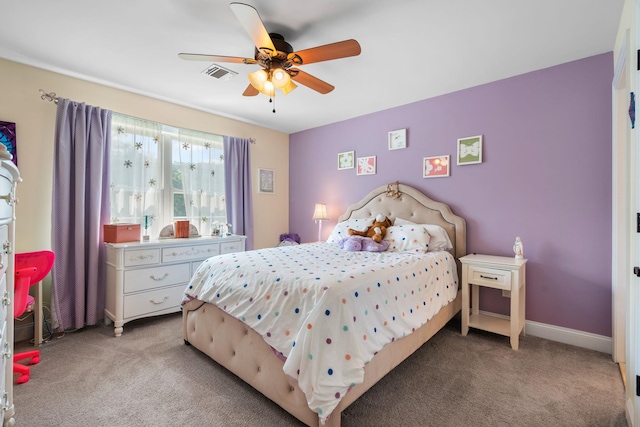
x: 5, y: 247
x: 155, y: 277
x: 185, y: 253
x: 136, y: 257
x: 4, y: 297
x: 490, y: 277
x: 4, y: 344
x: 231, y: 247
x: 6, y: 188
x: 136, y: 305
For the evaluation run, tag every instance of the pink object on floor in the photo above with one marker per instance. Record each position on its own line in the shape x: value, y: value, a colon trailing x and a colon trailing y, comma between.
x: 30, y: 269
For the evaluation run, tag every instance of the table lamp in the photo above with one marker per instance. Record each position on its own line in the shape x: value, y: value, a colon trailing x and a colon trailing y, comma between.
x: 319, y: 215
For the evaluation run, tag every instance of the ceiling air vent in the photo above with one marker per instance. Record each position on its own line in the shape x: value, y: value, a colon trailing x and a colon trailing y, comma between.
x: 219, y: 72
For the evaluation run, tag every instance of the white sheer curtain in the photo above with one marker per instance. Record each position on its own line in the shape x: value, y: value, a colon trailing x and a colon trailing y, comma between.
x: 200, y: 160
x: 165, y: 173
x: 136, y: 172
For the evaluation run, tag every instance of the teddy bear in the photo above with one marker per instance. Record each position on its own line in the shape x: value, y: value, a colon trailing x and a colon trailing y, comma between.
x: 376, y: 231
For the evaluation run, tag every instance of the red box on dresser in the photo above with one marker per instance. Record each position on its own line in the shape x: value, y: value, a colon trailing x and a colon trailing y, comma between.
x: 119, y: 233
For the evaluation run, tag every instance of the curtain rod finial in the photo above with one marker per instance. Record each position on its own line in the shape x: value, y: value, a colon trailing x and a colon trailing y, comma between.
x: 51, y: 96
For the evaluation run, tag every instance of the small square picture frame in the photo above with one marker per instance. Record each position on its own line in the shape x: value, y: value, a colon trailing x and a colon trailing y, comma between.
x: 346, y: 160
x: 366, y: 165
x: 469, y: 150
x: 266, y: 181
x: 397, y: 139
x: 436, y: 166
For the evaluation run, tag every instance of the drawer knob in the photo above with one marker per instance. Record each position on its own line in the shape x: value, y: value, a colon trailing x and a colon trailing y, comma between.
x: 157, y: 279
x: 488, y: 277
x: 6, y: 301
x: 159, y: 302
x: 8, y: 198
x: 6, y: 353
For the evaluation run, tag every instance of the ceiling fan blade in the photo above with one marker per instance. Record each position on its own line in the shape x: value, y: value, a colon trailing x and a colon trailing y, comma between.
x: 251, y: 22
x: 310, y: 81
x: 216, y: 58
x: 250, y: 91
x: 328, y: 52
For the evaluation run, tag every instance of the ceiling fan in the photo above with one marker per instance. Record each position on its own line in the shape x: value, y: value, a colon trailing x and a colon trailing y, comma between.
x: 277, y: 58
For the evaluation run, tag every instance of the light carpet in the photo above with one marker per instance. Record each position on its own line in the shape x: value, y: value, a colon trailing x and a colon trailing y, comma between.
x: 149, y: 377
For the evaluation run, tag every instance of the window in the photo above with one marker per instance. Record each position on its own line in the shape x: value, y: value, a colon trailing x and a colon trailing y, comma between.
x: 161, y: 174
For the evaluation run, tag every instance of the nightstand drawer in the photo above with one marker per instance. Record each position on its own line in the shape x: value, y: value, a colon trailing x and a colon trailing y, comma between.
x: 490, y: 277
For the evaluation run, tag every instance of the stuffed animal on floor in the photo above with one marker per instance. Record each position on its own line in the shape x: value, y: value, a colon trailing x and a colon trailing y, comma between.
x: 361, y: 243
x: 376, y: 231
x: 289, y: 239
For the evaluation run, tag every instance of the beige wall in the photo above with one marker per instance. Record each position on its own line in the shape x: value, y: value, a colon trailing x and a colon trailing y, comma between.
x: 35, y: 124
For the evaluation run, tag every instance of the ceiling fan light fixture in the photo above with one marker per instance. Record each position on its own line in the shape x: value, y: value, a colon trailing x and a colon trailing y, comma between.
x: 289, y: 87
x: 258, y: 79
x: 280, y: 78
x: 267, y: 89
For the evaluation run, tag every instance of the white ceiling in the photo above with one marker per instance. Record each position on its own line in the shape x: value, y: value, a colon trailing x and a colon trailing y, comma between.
x: 411, y: 49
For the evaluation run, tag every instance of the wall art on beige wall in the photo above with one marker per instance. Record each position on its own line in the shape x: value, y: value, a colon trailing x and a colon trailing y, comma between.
x: 267, y: 181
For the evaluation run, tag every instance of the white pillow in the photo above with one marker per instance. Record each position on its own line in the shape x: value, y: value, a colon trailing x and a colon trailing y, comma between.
x: 439, y: 238
x: 400, y: 221
x: 341, y: 230
x: 407, y: 238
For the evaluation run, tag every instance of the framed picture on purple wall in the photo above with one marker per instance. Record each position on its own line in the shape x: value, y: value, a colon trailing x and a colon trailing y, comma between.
x: 346, y: 160
x: 8, y: 139
x: 435, y: 167
x: 470, y: 150
x: 397, y: 139
x: 366, y: 165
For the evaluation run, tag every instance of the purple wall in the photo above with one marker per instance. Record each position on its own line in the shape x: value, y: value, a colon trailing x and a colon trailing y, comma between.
x: 545, y: 176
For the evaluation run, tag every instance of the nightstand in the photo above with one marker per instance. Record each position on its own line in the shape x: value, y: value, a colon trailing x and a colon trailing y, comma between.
x: 505, y: 273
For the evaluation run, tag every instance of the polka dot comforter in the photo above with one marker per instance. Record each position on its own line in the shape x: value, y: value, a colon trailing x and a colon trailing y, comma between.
x: 326, y: 310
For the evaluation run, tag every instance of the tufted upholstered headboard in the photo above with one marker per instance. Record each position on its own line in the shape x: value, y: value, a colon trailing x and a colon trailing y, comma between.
x: 414, y: 206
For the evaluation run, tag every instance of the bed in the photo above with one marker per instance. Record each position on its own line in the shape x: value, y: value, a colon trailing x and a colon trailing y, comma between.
x: 291, y: 376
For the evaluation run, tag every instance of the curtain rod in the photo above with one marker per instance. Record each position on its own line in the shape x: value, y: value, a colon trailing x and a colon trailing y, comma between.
x: 51, y: 96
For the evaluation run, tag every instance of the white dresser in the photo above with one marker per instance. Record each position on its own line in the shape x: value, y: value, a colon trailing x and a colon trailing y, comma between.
x: 9, y: 177
x: 149, y: 278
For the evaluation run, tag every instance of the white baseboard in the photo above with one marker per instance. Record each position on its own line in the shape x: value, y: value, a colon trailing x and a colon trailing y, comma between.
x: 565, y: 335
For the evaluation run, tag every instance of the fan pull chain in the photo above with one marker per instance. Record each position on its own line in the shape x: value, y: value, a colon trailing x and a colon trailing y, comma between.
x: 274, y: 100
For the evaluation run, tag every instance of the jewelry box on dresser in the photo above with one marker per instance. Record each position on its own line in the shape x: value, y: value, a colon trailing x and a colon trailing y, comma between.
x: 9, y: 177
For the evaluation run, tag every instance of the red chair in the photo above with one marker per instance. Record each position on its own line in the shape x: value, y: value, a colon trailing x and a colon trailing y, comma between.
x: 30, y: 268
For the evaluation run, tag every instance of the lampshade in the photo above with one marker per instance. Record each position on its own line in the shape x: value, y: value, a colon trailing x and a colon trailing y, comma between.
x: 267, y: 89
x: 266, y: 82
x: 320, y: 212
x: 289, y: 87
x: 280, y: 78
x: 258, y: 78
